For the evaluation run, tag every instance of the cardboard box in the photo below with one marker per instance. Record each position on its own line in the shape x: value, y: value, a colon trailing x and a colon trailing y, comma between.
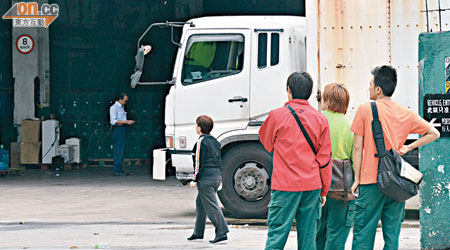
x: 30, y: 131
x: 14, y: 156
x: 30, y: 152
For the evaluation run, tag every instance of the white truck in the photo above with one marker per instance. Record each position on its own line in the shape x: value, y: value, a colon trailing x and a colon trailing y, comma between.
x: 234, y: 69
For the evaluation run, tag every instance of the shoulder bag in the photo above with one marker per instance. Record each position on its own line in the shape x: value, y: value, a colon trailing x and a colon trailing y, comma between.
x: 396, y: 178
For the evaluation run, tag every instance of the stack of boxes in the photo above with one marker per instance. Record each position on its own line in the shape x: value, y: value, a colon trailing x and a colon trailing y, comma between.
x: 30, y: 146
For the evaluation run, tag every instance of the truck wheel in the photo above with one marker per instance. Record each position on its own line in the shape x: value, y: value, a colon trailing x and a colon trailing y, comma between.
x: 246, y: 181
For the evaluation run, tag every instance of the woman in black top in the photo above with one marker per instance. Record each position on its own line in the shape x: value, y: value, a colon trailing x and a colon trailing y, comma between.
x: 207, y: 178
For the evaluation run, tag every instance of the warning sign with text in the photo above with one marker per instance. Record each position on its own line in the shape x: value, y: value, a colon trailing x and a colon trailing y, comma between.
x: 436, y: 110
x: 447, y: 75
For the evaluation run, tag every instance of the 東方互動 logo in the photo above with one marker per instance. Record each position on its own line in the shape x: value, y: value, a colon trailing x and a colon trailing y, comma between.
x: 28, y: 14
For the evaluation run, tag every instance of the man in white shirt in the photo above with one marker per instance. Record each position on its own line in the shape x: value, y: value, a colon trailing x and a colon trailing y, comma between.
x: 118, y: 119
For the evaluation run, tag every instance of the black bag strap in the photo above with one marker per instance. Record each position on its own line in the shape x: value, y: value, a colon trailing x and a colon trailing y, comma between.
x: 345, y: 185
x: 377, y: 131
x: 308, y: 139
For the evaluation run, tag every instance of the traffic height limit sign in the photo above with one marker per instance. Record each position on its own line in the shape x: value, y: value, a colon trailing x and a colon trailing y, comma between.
x: 436, y: 110
x: 25, y: 44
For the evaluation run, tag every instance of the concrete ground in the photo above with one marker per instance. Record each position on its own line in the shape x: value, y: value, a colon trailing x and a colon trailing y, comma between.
x: 84, y: 207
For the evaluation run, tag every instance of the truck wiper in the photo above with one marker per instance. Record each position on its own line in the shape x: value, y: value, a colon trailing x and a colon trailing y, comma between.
x: 218, y: 73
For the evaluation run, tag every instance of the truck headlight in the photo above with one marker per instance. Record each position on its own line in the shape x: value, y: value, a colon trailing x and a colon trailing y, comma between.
x: 169, y: 141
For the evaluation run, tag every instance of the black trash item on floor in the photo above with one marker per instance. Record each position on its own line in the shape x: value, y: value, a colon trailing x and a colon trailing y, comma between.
x: 58, y: 163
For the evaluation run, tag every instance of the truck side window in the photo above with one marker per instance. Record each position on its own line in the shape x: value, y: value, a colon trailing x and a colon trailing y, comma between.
x: 274, y: 49
x: 212, y: 56
x: 262, y: 50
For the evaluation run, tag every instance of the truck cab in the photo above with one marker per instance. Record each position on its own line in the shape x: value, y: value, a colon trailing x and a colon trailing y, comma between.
x: 233, y: 69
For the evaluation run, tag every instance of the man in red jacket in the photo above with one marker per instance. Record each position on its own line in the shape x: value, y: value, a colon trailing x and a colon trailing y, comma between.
x: 301, y: 175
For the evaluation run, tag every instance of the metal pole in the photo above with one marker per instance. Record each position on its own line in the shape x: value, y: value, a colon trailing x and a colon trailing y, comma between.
x: 440, y: 22
x: 426, y: 11
x: 164, y: 25
x: 151, y: 26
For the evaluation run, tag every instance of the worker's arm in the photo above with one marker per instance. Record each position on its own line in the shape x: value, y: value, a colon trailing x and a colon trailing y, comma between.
x: 267, y: 133
x: 128, y: 122
x: 324, y: 159
x: 114, y: 118
x: 358, y: 146
x: 431, y: 135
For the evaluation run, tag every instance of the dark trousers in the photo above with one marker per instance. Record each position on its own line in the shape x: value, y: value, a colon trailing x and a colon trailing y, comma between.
x: 372, y: 205
x: 207, y: 204
x: 284, y: 207
x: 119, y: 135
x: 335, y: 224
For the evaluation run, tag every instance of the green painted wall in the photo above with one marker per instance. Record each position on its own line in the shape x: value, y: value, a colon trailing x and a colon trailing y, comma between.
x: 434, y: 158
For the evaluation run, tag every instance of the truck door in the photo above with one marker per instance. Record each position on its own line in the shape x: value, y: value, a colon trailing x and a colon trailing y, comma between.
x: 213, y: 79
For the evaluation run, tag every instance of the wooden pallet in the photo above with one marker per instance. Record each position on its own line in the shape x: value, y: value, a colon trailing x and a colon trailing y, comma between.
x: 18, y: 172
x: 108, y: 162
x: 67, y: 166
x: 74, y: 166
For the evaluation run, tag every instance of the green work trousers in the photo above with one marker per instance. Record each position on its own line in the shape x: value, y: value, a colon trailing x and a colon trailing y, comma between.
x: 372, y: 205
x: 283, y: 208
x: 335, y: 224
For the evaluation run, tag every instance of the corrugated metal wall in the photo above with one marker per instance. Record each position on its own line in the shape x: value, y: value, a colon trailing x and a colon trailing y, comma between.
x: 92, y: 48
x: 365, y: 34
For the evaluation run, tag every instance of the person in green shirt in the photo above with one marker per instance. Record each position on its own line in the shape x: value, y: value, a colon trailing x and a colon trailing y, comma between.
x: 337, y: 215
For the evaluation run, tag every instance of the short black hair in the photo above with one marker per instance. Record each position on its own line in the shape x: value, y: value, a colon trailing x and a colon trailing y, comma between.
x: 205, y: 123
x: 300, y: 83
x: 122, y: 96
x: 385, y: 77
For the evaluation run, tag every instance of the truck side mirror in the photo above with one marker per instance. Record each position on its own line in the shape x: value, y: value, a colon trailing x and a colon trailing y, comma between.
x: 135, y: 78
x: 139, y: 59
x: 142, y: 51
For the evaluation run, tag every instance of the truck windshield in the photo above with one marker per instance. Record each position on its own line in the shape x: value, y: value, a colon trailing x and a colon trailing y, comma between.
x: 210, y: 57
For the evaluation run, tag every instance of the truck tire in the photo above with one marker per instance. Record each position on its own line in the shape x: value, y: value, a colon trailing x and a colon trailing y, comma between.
x: 247, y: 169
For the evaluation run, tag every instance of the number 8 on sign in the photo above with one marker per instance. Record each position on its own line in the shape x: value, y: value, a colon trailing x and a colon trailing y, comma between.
x: 25, y: 44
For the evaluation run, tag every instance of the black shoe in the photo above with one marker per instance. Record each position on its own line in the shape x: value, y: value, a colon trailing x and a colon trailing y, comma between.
x: 219, y: 238
x: 121, y: 173
x: 195, y: 237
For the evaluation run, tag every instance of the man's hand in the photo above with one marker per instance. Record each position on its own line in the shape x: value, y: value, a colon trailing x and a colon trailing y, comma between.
x: 192, y: 184
x: 324, y: 200
x: 405, y: 149
x: 354, y: 187
x: 130, y: 122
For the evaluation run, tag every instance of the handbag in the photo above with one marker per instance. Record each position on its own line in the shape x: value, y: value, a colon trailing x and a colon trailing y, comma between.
x: 342, y: 180
x: 396, y: 179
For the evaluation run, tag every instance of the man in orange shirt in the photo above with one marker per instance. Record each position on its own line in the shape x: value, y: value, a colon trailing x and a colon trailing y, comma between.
x: 397, y: 122
x: 301, y: 175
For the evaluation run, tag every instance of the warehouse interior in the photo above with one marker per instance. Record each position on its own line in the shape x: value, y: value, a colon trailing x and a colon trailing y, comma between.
x: 85, y: 63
